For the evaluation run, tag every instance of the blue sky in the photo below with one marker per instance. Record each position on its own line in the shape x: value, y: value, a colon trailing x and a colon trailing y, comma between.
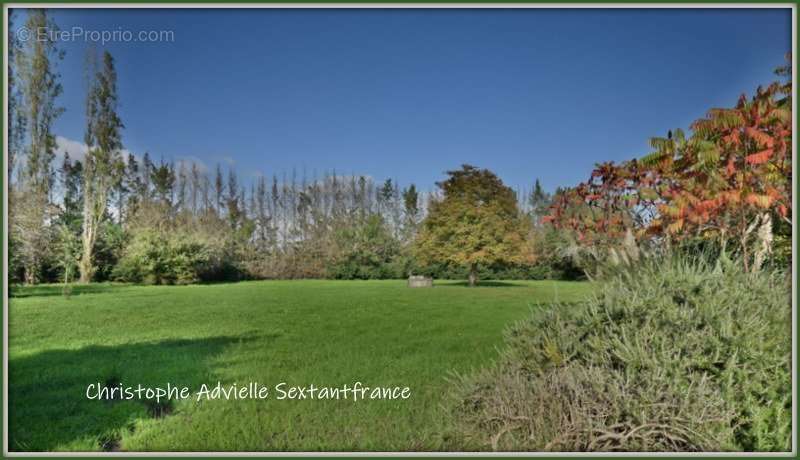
x: 408, y: 94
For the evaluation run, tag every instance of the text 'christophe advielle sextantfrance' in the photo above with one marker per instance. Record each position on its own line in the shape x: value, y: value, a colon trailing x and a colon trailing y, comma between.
x: 251, y: 390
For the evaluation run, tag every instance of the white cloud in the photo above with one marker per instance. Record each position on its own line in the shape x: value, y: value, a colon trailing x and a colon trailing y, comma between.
x: 76, y: 149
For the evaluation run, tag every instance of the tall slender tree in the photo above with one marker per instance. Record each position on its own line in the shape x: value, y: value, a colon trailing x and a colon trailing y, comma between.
x: 39, y: 88
x: 16, y: 116
x: 195, y: 187
x: 411, y: 210
x: 133, y: 182
x: 103, y: 166
x: 219, y: 189
x: 71, y: 173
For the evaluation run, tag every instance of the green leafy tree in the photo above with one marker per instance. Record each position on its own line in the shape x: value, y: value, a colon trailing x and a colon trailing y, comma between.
x: 476, y: 222
x: 163, y: 179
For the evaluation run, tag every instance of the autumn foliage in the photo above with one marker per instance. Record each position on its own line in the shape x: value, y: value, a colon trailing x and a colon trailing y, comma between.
x: 475, y: 223
x: 726, y: 182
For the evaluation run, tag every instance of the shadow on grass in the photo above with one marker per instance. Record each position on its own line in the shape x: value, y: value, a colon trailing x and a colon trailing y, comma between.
x: 47, y: 290
x: 488, y: 283
x: 48, y: 407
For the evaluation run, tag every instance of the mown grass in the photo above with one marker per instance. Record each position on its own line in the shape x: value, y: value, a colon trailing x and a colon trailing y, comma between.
x: 300, y: 332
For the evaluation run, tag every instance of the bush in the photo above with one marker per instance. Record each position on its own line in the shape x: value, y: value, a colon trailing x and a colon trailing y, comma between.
x: 155, y: 258
x: 671, y: 356
x: 367, y: 251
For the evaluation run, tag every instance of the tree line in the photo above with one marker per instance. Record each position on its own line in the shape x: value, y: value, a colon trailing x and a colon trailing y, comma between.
x: 109, y: 216
x: 725, y: 188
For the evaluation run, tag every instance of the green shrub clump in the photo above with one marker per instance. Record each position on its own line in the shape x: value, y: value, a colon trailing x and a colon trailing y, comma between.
x: 158, y: 258
x: 673, y: 355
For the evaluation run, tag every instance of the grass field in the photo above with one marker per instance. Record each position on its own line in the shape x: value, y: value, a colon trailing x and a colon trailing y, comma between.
x: 300, y: 332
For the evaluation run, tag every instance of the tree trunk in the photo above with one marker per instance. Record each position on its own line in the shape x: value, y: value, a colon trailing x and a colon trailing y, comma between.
x: 85, y: 264
x: 764, y: 242
x: 473, y: 275
x: 30, y: 274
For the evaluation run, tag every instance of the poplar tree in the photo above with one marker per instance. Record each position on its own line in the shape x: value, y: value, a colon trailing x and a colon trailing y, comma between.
x: 16, y: 116
x: 219, y: 188
x: 103, y: 166
x: 411, y: 211
x: 35, y: 103
x: 134, y: 184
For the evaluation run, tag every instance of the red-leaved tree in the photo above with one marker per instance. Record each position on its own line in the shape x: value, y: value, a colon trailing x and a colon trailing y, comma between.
x: 728, y: 181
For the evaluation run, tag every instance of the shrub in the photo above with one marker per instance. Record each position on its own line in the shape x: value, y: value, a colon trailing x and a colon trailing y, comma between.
x: 367, y: 251
x: 675, y: 355
x: 155, y: 258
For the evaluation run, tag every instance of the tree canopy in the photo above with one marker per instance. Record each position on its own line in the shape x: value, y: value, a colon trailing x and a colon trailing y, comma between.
x: 476, y: 222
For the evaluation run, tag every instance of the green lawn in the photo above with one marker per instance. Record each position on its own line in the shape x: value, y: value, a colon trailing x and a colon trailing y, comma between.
x: 329, y: 333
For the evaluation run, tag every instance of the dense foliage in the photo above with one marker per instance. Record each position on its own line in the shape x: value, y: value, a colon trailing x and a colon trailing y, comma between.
x: 368, y: 251
x: 670, y: 355
x: 476, y: 222
x: 726, y: 185
x: 158, y: 258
